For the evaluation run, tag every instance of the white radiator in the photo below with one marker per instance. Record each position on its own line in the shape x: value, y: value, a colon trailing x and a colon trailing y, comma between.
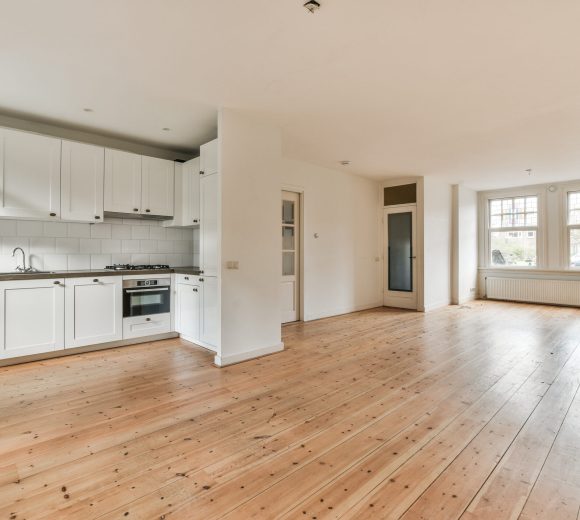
x: 534, y: 290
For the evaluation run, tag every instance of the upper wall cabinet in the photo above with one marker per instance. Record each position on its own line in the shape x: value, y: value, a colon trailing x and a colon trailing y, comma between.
x: 186, y: 195
x: 137, y: 184
x: 122, y: 182
x: 82, y: 177
x: 157, y: 184
x: 29, y: 175
x: 209, y: 158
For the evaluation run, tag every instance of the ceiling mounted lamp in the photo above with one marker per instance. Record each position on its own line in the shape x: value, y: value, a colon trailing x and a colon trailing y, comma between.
x: 312, y: 6
x: 529, y: 171
x: 345, y: 163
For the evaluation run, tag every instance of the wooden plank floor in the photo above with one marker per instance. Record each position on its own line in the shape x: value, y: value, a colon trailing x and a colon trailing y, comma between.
x: 468, y: 412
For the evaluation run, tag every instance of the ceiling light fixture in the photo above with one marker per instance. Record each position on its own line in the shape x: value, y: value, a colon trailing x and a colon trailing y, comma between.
x: 529, y: 171
x: 345, y: 163
x: 165, y: 129
x: 312, y: 6
x: 87, y: 110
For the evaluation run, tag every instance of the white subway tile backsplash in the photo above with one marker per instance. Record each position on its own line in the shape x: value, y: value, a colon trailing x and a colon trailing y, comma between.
x: 101, y: 231
x: 139, y: 232
x: 90, y: 246
x: 165, y: 246
x: 140, y: 259
x: 173, y: 234
x: 55, y: 229
x: 42, y: 245
x: 55, y: 262
x: 79, y: 230
x: 68, y: 245
x: 148, y: 246
x: 121, y: 232
x: 100, y: 261
x: 7, y: 228
x: 79, y: 246
x: 29, y: 228
x: 9, y: 243
x: 130, y: 246
x: 36, y: 261
x: 110, y: 246
x: 157, y: 233
x: 79, y: 262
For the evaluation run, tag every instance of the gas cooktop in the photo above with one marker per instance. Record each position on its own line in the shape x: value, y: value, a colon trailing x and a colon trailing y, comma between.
x: 131, y: 267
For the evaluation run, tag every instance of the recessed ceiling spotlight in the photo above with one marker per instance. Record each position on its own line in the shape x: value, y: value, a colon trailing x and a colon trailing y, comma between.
x: 165, y: 129
x: 312, y: 6
x: 345, y: 163
x: 88, y: 110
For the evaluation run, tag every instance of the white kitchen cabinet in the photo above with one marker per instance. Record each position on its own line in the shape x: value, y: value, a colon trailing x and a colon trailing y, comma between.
x: 210, y: 319
x: 31, y: 317
x: 186, y: 209
x: 93, y: 310
x: 122, y: 182
x: 139, y: 326
x: 157, y: 185
x: 208, y: 158
x: 82, y: 182
x: 187, y: 308
x: 209, y: 230
x: 29, y: 175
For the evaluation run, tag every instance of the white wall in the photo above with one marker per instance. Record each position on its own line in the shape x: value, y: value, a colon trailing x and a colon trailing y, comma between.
x: 465, y: 218
x: 437, y: 243
x: 75, y: 246
x: 250, y: 166
x: 342, y: 267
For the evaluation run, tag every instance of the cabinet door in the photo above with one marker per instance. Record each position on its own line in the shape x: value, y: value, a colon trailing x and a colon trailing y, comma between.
x: 209, y: 158
x: 94, y: 310
x: 122, y: 182
x: 187, y: 312
x: 29, y: 175
x: 82, y: 177
x: 31, y: 317
x: 209, y: 232
x: 191, y: 179
x: 209, y: 333
x: 157, y: 186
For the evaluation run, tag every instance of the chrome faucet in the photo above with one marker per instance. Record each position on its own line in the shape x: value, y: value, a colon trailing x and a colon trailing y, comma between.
x: 18, y: 268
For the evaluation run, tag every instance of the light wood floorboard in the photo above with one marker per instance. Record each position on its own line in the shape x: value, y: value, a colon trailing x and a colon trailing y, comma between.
x: 468, y: 412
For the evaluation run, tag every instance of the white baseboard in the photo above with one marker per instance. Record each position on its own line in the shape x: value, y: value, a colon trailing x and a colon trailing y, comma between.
x: 223, y: 361
x: 340, y: 312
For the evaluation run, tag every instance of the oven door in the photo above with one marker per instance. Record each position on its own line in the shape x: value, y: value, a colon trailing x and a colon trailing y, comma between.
x: 142, y: 301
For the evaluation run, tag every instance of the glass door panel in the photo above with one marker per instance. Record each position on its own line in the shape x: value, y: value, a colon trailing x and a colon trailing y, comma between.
x: 400, y: 251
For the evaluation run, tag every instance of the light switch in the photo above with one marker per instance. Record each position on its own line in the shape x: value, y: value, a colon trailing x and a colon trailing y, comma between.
x: 232, y: 264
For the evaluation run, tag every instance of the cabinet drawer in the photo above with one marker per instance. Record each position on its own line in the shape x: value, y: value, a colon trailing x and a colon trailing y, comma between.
x: 188, y: 279
x: 140, y: 326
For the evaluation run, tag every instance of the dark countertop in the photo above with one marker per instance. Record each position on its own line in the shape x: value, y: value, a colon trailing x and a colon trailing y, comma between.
x: 6, y: 277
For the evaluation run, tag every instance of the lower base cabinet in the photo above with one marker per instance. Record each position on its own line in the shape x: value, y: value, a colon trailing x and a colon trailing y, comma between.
x: 196, y: 309
x: 31, y: 317
x: 94, y: 310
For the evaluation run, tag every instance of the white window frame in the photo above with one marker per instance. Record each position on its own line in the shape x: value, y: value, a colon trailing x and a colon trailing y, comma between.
x: 568, y: 227
x: 485, y: 238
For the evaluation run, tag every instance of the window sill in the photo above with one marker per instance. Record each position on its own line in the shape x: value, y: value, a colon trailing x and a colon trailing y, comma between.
x: 531, y: 272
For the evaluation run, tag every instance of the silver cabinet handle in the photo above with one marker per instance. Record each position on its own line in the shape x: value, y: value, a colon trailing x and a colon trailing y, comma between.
x: 96, y: 280
x: 56, y: 282
x: 146, y: 290
x: 195, y: 289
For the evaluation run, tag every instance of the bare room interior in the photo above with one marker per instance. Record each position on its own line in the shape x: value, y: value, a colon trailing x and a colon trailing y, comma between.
x: 293, y: 259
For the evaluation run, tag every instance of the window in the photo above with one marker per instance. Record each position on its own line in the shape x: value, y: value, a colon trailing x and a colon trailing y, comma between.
x: 573, y: 222
x: 513, y: 231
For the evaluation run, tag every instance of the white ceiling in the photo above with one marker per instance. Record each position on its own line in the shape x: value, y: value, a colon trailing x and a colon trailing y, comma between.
x: 474, y: 92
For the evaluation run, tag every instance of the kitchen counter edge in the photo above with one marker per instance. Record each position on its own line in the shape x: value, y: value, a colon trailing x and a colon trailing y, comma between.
x: 16, y: 276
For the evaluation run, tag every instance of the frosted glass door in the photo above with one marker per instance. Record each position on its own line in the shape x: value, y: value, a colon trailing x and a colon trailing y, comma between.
x: 400, y: 252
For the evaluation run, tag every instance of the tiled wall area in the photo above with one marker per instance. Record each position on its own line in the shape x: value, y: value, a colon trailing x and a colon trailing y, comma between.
x: 60, y: 246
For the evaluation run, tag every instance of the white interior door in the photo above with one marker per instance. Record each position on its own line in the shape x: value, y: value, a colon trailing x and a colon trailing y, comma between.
x: 290, y: 257
x: 400, y: 279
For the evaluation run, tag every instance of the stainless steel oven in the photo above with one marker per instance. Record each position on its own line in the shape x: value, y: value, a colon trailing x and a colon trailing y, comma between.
x: 146, y: 296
